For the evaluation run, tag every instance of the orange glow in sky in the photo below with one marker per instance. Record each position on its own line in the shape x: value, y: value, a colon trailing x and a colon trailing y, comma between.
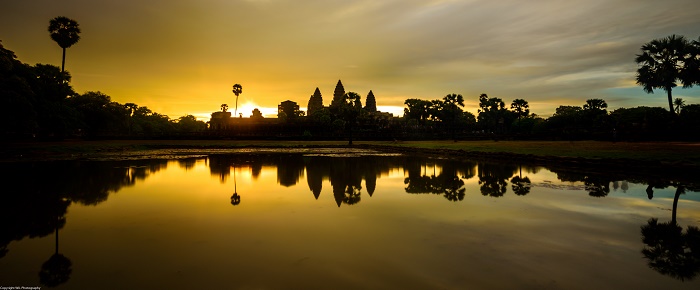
x: 182, y: 57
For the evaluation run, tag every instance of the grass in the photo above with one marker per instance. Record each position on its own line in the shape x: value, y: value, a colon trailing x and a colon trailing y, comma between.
x: 667, y: 152
x: 672, y: 152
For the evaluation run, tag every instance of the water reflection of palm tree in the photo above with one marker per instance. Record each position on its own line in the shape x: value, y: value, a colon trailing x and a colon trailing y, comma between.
x: 448, y: 183
x: 57, y: 269
x: 493, y: 178
x: 597, y: 186
x: 352, y: 195
x: 346, y: 180
x: 668, y: 249
x: 453, y: 188
x: 235, y: 198
x: 520, y: 185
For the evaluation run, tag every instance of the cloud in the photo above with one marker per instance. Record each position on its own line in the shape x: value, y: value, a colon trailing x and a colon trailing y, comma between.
x: 540, y: 50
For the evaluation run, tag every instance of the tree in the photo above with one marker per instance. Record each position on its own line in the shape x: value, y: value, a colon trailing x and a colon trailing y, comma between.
x: 595, y: 115
x: 664, y: 63
x: 417, y: 109
x: 679, y: 103
x: 520, y: 107
x: 566, y: 120
x: 692, y: 63
x: 149, y: 122
x: 65, y: 32
x: 17, y: 94
x: 224, y: 107
x: 237, y: 90
x: 321, y: 117
x: 371, y: 102
x: 449, y: 112
x: 643, y: 122
x: 349, y: 111
x: 51, y: 88
x: 492, y: 113
x: 689, y: 121
x: 595, y: 105
x: 50, y: 84
x: 98, y: 114
x: 189, y: 123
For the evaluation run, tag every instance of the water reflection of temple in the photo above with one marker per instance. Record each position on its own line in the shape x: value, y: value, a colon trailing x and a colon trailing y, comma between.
x: 36, y: 202
x: 346, y: 175
x: 352, y: 176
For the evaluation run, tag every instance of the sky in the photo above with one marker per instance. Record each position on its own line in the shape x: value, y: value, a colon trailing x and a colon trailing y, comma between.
x: 181, y: 57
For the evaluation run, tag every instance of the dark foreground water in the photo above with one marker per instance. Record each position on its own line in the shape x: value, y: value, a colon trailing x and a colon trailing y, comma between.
x: 353, y: 221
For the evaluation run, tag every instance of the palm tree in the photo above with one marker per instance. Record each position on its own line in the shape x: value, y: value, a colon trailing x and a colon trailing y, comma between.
x: 595, y: 105
x: 349, y: 111
x: 224, y: 107
x: 520, y: 107
x: 664, y: 63
x: 237, y: 90
x: 65, y: 32
x: 679, y: 103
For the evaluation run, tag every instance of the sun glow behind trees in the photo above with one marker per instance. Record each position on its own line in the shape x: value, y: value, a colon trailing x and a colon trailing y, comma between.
x: 269, y: 112
x: 182, y: 67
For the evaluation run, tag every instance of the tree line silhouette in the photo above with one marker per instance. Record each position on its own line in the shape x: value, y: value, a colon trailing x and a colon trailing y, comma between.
x: 44, y: 105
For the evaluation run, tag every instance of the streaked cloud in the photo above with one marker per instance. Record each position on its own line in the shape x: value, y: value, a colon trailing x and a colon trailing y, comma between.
x: 182, y: 56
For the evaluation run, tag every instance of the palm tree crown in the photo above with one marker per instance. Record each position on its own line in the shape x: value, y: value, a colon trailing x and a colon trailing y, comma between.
x: 663, y: 64
x: 237, y: 90
x: 65, y: 32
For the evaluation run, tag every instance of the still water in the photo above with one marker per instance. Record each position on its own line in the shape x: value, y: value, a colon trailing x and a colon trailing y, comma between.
x: 349, y: 221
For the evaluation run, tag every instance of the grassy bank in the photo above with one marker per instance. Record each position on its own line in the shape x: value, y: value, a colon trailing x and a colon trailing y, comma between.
x: 664, y: 152
x: 667, y: 152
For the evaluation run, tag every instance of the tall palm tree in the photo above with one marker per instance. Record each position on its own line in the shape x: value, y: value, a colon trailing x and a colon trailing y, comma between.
x: 663, y: 65
x: 237, y: 90
x: 349, y: 111
x: 65, y: 32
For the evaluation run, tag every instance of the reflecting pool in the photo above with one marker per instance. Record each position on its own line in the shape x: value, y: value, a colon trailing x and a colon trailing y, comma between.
x: 351, y: 221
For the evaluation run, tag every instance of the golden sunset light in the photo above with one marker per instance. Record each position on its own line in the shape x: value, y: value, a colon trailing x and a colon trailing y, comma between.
x: 350, y: 144
x: 182, y: 57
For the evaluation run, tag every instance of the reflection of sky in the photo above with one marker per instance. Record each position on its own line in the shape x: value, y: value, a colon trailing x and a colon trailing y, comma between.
x: 179, y: 225
x: 183, y: 56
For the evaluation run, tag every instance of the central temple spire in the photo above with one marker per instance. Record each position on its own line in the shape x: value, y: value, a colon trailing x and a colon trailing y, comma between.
x: 338, y: 94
